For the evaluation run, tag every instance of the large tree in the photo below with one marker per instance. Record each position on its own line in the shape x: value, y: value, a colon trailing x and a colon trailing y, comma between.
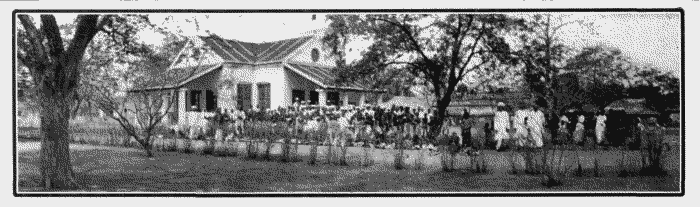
x: 544, y: 55
x: 660, y: 89
x: 437, y: 49
x: 55, y: 68
x: 604, y: 72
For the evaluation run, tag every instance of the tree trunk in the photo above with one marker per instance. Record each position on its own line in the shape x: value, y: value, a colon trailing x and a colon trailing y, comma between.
x: 553, y: 109
x: 436, y: 127
x: 147, y: 144
x: 54, y: 156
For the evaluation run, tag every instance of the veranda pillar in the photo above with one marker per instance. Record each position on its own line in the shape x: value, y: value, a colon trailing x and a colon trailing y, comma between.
x: 363, y: 98
x: 321, y: 97
x: 345, y: 98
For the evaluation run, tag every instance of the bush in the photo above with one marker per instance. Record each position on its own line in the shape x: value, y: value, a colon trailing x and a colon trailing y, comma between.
x: 187, y: 146
x: 652, y: 155
x: 208, y: 147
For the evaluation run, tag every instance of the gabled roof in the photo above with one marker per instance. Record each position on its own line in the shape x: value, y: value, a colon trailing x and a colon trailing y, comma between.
x: 246, y: 52
x: 234, y: 51
x: 322, y: 76
x: 162, y: 78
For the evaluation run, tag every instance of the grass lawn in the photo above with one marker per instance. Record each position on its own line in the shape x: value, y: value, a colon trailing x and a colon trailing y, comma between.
x: 113, y: 169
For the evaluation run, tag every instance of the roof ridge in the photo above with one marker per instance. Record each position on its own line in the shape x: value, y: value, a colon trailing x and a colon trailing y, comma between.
x: 306, y: 64
x: 259, y: 54
x: 219, y: 36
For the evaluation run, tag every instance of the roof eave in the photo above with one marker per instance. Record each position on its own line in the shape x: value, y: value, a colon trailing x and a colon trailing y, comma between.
x: 175, y: 86
x: 355, y: 88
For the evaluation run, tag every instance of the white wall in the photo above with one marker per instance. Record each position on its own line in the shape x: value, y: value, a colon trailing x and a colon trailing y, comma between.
x: 236, y: 74
x: 294, y: 81
x: 210, y: 58
x: 272, y: 74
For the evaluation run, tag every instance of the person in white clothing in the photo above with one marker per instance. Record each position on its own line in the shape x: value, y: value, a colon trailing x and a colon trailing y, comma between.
x: 236, y: 117
x: 536, y: 125
x: 578, y: 132
x: 600, y: 127
x: 501, y: 123
x: 520, y: 127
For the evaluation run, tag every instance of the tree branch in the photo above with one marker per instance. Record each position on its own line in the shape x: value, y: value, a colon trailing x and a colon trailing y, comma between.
x: 410, y: 37
x: 53, y: 34
x: 37, y: 49
x: 84, y: 33
x: 471, y: 53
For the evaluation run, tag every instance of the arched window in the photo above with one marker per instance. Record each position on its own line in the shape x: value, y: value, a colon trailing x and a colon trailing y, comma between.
x: 314, y: 55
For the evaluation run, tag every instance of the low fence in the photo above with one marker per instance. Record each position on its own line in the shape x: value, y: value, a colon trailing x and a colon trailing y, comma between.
x: 603, y: 162
x: 598, y: 161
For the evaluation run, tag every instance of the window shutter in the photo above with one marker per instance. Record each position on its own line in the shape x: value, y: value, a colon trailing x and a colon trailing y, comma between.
x: 264, y: 95
x: 188, y: 105
x: 211, y: 101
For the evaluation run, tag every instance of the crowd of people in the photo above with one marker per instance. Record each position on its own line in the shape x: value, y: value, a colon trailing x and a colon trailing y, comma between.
x: 368, y: 124
x: 387, y: 127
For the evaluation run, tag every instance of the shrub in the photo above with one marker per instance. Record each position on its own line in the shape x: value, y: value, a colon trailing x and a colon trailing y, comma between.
x: 208, y: 147
x: 579, y: 170
x: 513, y: 169
x: 187, y: 146
x: 398, y: 161
x: 343, y: 158
x: 367, y: 161
x: 250, y: 149
x: 596, y: 166
x: 652, y: 161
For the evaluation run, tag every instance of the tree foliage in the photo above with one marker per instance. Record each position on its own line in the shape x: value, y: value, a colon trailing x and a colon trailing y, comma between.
x: 56, y: 65
x: 439, y: 50
x: 604, y: 64
x: 544, y: 56
x: 132, y: 89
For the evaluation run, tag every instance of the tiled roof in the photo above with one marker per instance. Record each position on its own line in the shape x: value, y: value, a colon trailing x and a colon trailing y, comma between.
x: 321, y: 76
x: 162, y: 78
x: 245, y: 52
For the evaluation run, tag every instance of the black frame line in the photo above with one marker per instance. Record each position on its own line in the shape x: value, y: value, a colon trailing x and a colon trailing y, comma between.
x: 339, y: 194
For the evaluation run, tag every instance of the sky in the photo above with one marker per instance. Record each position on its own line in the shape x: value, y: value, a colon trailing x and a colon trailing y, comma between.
x: 647, y: 38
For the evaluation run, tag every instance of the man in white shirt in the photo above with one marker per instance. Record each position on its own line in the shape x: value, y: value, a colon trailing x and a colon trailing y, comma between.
x: 501, y: 125
x: 536, y: 126
x: 600, y: 127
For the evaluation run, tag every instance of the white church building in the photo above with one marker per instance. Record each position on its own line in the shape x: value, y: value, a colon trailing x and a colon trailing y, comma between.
x: 253, y: 76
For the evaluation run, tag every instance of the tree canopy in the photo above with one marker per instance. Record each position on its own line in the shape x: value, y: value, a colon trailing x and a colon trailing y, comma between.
x: 437, y: 50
